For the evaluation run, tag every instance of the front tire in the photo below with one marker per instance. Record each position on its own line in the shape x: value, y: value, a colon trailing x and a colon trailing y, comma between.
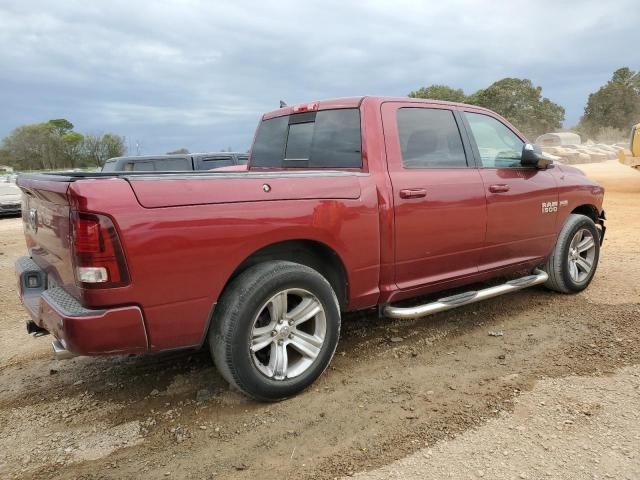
x: 574, y: 260
x: 275, y: 330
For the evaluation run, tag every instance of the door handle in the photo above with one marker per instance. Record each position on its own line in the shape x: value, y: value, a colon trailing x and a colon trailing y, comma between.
x: 413, y: 193
x: 500, y: 188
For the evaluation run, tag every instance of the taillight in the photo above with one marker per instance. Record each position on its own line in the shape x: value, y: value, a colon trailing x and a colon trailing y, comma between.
x: 98, y: 257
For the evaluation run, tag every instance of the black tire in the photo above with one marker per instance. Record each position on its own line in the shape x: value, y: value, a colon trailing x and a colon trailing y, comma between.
x: 234, y: 316
x: 558, y: 263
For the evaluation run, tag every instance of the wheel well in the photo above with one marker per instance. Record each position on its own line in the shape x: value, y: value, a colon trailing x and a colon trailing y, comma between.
x: 588, y: 211
x: 306, y: 252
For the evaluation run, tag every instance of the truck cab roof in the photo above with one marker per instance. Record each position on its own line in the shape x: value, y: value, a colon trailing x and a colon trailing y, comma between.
x: 355, y: 102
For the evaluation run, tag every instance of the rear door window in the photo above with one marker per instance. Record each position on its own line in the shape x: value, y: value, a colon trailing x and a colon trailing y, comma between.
x: 324, y: 139
x: 429, y: 138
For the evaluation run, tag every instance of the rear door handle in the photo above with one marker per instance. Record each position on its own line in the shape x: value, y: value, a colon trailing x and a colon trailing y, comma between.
x: 500, y: 188
x: 413, y: 193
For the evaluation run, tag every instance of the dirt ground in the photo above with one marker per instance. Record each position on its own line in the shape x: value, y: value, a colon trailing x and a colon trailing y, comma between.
x: 557, y: 396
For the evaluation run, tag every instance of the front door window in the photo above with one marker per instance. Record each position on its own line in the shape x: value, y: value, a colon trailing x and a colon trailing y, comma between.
x: 499, y: 147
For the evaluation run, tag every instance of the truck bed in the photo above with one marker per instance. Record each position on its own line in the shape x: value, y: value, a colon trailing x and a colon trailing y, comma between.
x: 184, y: 234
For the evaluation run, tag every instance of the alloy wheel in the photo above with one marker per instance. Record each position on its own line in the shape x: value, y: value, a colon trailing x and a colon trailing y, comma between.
x: 288, y: 333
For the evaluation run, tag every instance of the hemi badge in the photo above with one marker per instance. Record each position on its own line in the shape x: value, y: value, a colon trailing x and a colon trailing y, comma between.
x: 564, y: 203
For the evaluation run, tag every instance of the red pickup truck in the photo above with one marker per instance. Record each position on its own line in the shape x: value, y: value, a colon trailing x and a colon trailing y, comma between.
x: 347, y: 204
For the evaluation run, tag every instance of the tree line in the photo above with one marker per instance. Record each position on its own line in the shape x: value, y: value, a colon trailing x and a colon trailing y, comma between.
x: 609, y: 113
x: 55, y: 145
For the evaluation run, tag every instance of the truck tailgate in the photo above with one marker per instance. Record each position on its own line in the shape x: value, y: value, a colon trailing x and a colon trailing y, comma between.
x: 45, y: 213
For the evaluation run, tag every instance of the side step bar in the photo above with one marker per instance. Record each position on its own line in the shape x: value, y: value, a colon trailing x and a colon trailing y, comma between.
x: 466, y: 298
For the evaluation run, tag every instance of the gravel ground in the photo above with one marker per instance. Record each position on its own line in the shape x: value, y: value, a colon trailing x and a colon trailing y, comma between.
x: 395, y: 389
x: 572, y: 427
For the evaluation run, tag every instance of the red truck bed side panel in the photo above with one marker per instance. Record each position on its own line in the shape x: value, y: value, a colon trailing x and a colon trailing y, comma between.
x: 180, y: 258
x: 173, y: 191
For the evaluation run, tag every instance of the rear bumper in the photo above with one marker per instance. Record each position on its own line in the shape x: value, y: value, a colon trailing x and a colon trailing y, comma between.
x: 80, y: 330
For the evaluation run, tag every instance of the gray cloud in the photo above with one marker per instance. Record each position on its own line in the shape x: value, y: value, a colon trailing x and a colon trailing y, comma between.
x: 199, y: 74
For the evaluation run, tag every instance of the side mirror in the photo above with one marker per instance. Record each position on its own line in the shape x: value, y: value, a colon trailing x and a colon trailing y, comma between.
x: 532, y: 156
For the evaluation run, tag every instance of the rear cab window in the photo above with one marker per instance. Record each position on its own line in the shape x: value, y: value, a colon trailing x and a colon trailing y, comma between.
x: 322, y: 139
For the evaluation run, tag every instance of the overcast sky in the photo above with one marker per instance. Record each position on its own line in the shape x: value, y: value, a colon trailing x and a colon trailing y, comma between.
x: 199, y: 74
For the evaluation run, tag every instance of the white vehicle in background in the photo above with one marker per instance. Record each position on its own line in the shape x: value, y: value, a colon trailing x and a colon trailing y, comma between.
x: 10, y: 198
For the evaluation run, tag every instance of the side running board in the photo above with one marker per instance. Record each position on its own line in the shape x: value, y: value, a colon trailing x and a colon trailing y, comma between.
x: 466, y: 298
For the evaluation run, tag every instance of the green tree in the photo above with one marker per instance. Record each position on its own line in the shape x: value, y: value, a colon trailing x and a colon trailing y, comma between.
x: 439, y: 92
x: 615, y: 105
x: 54, y: 145
x: 114, y: 145
x: 32, y: 147
x: 520, y: 102
x: 5, y: 157
x: 72, y: 144
x: 515, y: 99
x: 61, y: 126
x: 99, y: 148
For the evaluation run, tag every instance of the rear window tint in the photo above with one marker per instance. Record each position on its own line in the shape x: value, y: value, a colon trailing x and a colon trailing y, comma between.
x: 325, y: 139
x: 299, y: 141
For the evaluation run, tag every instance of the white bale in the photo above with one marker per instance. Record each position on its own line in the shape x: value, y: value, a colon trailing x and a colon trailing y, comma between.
x: 585, y: 158
x: 558, y: 139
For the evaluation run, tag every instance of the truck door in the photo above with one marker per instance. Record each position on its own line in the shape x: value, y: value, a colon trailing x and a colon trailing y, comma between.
x: 439, y: 201
x: 522, y: 202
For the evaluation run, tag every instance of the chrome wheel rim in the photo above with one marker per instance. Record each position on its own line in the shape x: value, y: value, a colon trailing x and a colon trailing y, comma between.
x: 287, y: 334
x: 582, y: 254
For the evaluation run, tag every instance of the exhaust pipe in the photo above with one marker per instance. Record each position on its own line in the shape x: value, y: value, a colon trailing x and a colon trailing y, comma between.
x: 406, y: 313
x: 59, y: 352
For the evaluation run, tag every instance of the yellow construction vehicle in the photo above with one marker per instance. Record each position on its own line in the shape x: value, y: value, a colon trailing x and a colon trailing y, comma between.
x: 633, y: 160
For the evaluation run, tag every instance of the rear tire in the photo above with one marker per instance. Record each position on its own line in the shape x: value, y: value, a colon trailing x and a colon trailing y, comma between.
x: 275, y: 329
x: 574, y: 259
